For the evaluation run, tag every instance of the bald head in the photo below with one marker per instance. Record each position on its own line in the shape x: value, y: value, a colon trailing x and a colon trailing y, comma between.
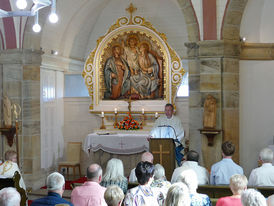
x: 147, y: 157
x: 94, y: 173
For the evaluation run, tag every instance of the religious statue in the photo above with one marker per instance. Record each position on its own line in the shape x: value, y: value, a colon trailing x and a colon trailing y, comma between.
x: 16, y: 111
x: 146, y: 81
x: 133, y: 69
x: 7, y: 111
x: 116, y: 73
x: 210, y: 112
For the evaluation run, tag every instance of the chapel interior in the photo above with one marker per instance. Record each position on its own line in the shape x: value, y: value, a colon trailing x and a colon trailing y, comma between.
x: 226, y: 50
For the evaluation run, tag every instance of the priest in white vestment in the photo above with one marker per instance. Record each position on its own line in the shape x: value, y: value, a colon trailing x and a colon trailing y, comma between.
x: 170, y: 126
x: 9, y: 167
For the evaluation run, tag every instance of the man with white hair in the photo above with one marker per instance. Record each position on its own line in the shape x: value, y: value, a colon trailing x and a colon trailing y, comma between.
x: 55, y: 187
x: 146, y: 157
x: 9, y: 197
x: 263, y: 176
x: 251, y: 197
x: 91, y: 192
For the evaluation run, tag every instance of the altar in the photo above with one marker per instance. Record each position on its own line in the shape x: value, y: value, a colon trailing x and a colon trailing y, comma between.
x: 128, y: 146
x: 117, y: 143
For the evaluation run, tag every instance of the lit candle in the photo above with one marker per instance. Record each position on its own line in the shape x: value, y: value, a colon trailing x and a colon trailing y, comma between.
x: 115, y: 110
x: 156, y: 114
x: 143, y: 111
x: 102, y: 115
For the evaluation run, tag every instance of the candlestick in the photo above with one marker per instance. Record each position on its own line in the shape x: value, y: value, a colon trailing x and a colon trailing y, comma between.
x: 102, y: 114
x: 115, y: 110
x: 103, y: 125
x: 143, y: 111
x: 116, y: 122
x: 156, y: 115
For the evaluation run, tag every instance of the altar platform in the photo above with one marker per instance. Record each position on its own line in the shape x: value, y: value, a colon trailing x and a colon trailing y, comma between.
x: 127, y: 145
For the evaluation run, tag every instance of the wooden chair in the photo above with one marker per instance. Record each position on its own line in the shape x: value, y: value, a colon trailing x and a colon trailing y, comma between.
x: 73, y: 157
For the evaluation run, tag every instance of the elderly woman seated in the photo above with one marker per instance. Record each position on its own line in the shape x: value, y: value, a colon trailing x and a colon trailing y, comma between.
x: 160, y: 179
x: 189, y: 178
x: 178, y: 195
x: 144, y: 194
x: 251, y: 197
x: 238, y: 183
x: 114, y: 175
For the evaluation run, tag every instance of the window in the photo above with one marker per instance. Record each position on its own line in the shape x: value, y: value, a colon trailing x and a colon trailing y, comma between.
x: 75, y: 86
x: 183, y: 88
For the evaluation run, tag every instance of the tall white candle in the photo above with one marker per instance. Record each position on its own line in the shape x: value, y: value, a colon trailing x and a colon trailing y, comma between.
x: 156, y: 114
x: 103, y: 114
x: 115, y: 110
x: 143, y: 111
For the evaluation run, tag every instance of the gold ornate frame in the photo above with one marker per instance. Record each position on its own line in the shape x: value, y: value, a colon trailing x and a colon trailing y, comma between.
x: 93, y: 71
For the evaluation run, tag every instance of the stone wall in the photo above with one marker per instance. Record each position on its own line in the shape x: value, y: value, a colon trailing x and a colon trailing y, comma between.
x: 21, y: 82
x: 214, y: 69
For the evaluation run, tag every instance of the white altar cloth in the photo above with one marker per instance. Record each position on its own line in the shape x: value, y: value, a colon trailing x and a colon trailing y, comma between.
x: 122, y: 143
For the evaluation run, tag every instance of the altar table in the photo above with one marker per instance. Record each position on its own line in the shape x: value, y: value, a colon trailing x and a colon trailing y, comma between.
x: 117, y: 143
x: 127, y: 146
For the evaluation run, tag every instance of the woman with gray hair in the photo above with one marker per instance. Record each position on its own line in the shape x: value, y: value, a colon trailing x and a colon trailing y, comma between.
x: 251, y: 197
x: 114, y: 196
x: 114, y: 175
x: 178, y: 195
x: 189, y: 178
x: 238, y: 183
x: 160, y: 179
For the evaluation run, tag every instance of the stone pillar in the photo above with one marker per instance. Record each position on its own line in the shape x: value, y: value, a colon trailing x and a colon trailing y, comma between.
x: 214, y: 69
x: 21, y: 81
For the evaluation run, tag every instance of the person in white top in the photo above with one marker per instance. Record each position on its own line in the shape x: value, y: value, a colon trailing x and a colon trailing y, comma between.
x: 146, y: 157
x: 9, y: 167
x: 170, y: 126
x: 192, y: 158
x: 263, y: 176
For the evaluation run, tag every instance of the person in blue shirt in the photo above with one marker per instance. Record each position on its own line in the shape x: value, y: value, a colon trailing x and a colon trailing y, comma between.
x: 224, y: 169
x: 55, y: 186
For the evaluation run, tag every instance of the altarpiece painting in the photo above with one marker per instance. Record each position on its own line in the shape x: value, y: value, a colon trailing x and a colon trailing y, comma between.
x: 132, y: 61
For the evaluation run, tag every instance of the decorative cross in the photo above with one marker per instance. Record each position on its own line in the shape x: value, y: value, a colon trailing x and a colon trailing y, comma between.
x: 161, y: 153
x: 122, y: 144
x: 131, y: 9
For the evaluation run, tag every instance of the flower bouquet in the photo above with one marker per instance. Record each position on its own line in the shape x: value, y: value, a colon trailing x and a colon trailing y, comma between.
x: 129, y: 123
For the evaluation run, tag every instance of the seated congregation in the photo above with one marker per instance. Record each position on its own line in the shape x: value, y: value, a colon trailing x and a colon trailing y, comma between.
x: 148, y: 185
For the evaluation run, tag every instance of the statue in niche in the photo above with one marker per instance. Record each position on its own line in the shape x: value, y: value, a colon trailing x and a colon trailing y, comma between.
x: 7, y: 111
x: 210, y: 112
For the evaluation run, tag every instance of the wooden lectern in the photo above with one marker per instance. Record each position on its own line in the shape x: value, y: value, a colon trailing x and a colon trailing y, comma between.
x: 163, y: 150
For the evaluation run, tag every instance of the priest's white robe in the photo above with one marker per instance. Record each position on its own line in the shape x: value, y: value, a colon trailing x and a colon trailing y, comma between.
x: 168, y: 128
x: 8, y: 168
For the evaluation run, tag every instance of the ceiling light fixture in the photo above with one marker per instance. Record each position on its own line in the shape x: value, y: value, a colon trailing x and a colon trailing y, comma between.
x: 37, y: 5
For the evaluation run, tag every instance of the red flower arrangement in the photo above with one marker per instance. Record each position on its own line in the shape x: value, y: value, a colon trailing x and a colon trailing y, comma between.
x: 129, y: 123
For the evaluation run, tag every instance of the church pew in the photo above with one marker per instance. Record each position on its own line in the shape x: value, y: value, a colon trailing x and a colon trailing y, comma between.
x: 217, y: 191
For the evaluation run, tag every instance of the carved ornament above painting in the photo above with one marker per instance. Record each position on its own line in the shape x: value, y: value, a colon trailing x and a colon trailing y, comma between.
x: 132, y: 60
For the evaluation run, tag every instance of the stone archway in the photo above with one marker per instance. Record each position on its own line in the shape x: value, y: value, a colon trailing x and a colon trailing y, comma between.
x: 191, y: 20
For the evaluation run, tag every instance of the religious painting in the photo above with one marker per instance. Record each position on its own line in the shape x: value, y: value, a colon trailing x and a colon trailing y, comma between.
x: 132, y: 61
x: 132, y: 68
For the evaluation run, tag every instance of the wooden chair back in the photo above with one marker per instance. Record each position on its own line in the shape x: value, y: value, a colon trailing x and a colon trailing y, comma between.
x: 74, y: 151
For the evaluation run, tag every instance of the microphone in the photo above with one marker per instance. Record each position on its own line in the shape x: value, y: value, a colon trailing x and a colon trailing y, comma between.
x: 170, y: 127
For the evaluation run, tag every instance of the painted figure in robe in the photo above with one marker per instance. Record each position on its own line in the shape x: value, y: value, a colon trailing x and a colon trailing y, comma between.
x: 116, y: 74
x: 146, y: 81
